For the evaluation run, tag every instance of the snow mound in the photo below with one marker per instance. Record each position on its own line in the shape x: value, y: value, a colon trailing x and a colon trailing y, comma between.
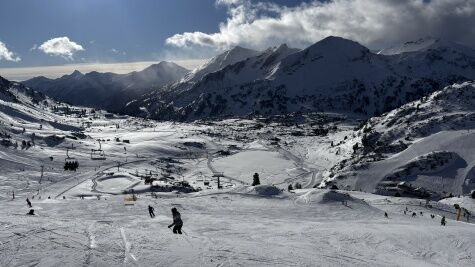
x: 333, y: 196
x: 325, y: 196
x: 267, y: 190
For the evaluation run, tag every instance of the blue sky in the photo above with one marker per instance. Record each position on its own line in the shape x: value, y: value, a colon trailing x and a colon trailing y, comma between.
x: 138, y: 28
x: 35, y: 33
x: 108, y: 30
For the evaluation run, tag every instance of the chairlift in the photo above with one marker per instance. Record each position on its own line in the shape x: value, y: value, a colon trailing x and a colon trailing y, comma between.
x: 70, y: 163
x: 98, y: 154
x: 68, y: 158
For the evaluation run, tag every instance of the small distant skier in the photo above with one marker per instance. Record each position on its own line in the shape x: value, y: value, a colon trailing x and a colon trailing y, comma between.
x: 177, y: 222
x: 13, y: 194
x: 414, y: 214
x: 442, y: 222
x: 28, y: 202
x: 31, y: 212
x: 255, y: 179
x: 385, y: 215
x: 151, y: 211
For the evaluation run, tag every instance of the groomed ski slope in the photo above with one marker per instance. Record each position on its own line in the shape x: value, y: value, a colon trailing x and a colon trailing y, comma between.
x: 309, y: 228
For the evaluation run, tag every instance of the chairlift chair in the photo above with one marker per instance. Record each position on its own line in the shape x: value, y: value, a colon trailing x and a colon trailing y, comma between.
x: 98, y: 154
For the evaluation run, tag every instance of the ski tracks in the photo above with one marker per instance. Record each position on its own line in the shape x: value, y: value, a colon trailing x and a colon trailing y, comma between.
x: 128, y: 256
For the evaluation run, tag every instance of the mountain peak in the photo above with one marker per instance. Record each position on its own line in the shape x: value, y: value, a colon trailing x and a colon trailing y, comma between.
x: 283, y: 46
x: 162, y: 64
x: 220, y: 61
x: 334, y: 45
x: 163, y: 67
x: 238, y: 51
x: 76, y: 73
x: 339, y: 42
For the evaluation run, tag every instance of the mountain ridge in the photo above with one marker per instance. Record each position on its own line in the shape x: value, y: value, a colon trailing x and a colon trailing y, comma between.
x: 105, y: 89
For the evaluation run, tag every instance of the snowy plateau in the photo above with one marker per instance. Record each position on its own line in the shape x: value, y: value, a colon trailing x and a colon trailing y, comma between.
x: 365, y: 182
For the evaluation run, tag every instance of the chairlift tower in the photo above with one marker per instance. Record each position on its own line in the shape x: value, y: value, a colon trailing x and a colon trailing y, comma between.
x: 41, y: 177
x: 218, y: 175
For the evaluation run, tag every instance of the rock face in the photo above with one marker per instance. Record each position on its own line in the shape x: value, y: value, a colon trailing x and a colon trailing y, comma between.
x: 334, y: 74
x: 107, y: 90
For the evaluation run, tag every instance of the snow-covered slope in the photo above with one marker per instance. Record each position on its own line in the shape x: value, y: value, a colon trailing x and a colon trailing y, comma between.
x: 428, y: 144
x: 23, y: 110
x: 411, y: 46
x: 107, y: 90
x: 220, y: 61
x: 335, y: 74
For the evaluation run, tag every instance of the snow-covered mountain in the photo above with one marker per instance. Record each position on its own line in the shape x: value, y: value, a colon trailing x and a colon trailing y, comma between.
x: 426, y: 145
x: 23, y: 109
x: 107, y: 90
x: 15, y: 92
x: 220, y: 61
x: 334, y: 74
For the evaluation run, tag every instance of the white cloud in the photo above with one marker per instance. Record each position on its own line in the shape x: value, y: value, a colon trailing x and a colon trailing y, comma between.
x: 374, y: 23
x: 61, y: 46
x: 6, y: 54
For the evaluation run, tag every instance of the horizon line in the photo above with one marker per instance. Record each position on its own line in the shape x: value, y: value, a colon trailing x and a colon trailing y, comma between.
x: 20, y: 74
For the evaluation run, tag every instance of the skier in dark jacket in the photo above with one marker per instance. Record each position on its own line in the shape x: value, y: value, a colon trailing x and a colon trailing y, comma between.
x: 151, y: 211
x: 442, y: 222
x: 28, y: 202
x: 177, y: 222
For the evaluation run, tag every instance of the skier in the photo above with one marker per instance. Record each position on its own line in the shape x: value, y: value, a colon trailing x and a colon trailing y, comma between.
x: 385, y: 214
x: 31, y: 212
x: 290, y: 188
x: 28, y: 202
x: 151, y: 211
x: 414, y: 214
x: 442, y: 222
x: 256, y: 180
x: 177, y: 222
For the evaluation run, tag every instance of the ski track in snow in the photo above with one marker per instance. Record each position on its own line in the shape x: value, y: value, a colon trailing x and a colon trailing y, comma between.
x: 127, y: 247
